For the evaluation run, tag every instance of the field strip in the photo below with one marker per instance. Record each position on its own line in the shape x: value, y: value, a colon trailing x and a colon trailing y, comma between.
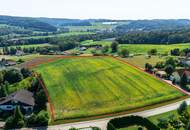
x: 47, y: 95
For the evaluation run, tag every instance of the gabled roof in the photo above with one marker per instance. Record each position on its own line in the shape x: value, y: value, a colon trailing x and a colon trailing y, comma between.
x: 23, y: 96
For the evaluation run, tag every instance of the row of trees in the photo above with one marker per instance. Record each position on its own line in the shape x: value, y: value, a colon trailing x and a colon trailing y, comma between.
x: 178, y: 52
x: 17, y: 120
x: 176, y: 121
x: 11, y: 76
x: 155, y: 37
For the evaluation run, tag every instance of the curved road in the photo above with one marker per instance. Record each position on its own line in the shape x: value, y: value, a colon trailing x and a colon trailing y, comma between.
x: 102, y: 123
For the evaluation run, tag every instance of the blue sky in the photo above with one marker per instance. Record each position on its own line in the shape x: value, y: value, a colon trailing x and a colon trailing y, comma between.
x: 111, y: 9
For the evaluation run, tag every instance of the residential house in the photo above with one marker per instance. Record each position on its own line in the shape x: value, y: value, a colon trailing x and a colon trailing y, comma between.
x: 19, y: 53
x: 22, y: 98
x: 161, y: 74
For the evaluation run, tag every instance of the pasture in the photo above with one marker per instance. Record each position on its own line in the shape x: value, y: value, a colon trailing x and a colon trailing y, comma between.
x: 141, y: 60
x: 90, y: 86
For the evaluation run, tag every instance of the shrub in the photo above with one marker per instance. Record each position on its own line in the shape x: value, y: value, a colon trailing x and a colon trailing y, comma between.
x: 15, y: 121
x: 123, y: 122
x: 32, y: 120
x: 152, y: 52
x: 25, y: 72
x: 13, y: 76
x: 148, y: 67
x: 182, y: 108
x: 124, y: 53
x: 42, y: 118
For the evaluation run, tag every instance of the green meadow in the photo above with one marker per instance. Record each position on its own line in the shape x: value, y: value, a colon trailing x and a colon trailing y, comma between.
x: 141, y: 48
x: 83, y: 87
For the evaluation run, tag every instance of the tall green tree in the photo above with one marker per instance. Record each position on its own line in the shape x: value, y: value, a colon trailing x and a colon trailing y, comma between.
x: 15, y: 121
x: 182, y: 108
x: 114, y: 46
x: 169, y: 70
x: 183, y: 81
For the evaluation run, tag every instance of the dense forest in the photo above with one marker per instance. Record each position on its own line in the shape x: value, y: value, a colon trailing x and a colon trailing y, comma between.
x: 153, y: 25
x: 27, y: 23
x: 156, y: 37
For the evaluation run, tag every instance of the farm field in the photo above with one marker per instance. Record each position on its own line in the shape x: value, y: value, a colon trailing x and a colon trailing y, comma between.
x: 141, y: 48
x: 25, y: 57
x: 59, y: 35
x: 144, y: 48
x: 83, y: 87
x: 141, y: 60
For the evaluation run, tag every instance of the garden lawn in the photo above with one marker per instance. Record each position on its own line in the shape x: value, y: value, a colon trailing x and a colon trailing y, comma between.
x: 82, y: 87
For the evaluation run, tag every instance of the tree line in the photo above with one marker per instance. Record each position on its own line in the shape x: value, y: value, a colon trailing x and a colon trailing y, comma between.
x: 155, y: 37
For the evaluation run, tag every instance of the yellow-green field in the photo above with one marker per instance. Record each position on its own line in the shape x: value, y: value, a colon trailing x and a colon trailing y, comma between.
x: 83, y: 87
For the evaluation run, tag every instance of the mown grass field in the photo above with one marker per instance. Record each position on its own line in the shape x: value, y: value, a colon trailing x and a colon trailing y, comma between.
x: 141, y: 60
x: 82, y: 87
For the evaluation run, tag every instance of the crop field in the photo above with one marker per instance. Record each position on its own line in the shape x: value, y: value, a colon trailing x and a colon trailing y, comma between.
x: 91, y: 86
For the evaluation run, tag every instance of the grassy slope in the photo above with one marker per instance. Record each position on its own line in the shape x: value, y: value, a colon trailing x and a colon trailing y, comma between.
x: 94, y: 86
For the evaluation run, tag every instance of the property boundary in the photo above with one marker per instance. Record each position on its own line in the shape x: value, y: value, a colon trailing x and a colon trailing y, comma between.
x: 102, y: 116
x: 47, y: 95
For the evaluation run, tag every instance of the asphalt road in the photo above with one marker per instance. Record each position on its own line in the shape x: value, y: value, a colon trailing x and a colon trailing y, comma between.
x: 102, y: 123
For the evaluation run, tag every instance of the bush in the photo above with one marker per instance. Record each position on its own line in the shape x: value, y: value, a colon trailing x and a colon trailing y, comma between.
x: 25, y: 72
x: 15, y: 121
x: 42, y: 118
x: 159, y: 65
x: 13, y: 76
x: 148, y: 67
x: 124, y: 122
x: 40, y: 100
x: 124, y: 53
x: 182, y: 108
x: 32, y: 120
x: 152, y: 52
x: 169, y: 70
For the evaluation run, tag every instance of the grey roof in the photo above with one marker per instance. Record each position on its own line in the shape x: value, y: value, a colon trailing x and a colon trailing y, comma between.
x: 23, y: 96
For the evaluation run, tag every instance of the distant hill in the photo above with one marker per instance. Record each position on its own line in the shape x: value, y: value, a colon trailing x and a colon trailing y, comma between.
x: 153, y: 25
x: 27, y: 23
x: 65, y: 22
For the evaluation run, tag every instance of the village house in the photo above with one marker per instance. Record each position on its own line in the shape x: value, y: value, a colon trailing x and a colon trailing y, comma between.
x: 161, y: 74
x: 19, y: 53
x: 22, y: 98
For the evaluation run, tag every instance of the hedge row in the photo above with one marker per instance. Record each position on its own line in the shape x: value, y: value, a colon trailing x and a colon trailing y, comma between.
x: 124, y: 122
